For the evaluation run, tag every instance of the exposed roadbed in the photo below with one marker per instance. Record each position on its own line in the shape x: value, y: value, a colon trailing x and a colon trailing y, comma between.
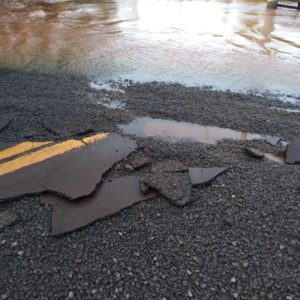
x: 239, y: 238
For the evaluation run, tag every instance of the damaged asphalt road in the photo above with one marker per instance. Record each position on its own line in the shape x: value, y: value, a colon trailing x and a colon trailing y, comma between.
x: 68, y: 175
x: 71, y: 168
x: 237, y: 239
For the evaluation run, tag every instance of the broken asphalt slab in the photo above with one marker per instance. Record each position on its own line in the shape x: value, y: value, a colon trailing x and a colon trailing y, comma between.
x: 170, y: 180
x: 293, y: 152
x: 204, y: 176
x: 176, y: 187
x: 71, y: 168
x: 272, y: 140
x: 111, y: 198
x: 254, y: 152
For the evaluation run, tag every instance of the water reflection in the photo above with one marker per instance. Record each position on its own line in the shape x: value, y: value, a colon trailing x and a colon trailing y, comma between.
x: 174, y: 131
x: 150, y: 39
x: 267, y: 29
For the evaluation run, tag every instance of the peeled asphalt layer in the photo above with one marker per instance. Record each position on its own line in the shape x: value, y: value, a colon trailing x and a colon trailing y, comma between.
x: 237, y: 239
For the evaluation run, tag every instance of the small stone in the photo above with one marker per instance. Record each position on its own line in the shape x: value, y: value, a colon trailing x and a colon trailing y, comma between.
x: 233, y: 279
x: 140, y: 162
x: 14, y: 244
x: 144, y: 188
x: 228, y: 222
x: 245, y: 264
x: 70, y: 294
x: 203, y: 285
x: 254, y: 152
x: 94, y: 291
x: 232, y: 196
x: 235, y: 295
x: 20, y: 253
x: 7, y: 219
x: 129, y: 167
x: 190, y: 294
x: 189, y: 272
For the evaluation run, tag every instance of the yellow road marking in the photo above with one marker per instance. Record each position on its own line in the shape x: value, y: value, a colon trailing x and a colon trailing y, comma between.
x: 96, y: 137
x: 46, y: 153
x: 21, y: 148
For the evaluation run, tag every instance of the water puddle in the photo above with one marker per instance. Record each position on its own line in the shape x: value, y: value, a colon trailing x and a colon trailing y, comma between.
x: 174, y: 131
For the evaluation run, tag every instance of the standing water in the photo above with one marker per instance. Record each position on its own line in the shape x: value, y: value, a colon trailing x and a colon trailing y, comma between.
x: 223, y: 43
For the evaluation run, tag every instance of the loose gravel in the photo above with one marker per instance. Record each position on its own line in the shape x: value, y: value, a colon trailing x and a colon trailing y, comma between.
x: 237, y: 239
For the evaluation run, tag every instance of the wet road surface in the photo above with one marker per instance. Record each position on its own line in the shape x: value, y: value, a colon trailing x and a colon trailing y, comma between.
x: 227, y: 44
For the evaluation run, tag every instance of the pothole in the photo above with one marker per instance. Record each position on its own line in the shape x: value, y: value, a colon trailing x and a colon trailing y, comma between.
x: 174, y: 131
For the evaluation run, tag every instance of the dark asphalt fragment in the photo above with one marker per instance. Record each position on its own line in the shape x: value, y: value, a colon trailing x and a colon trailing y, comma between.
x: 254, y: 152
x: 273, y: 140
x: 204, y: 176
x: 169, y: 179
x: 110, y: 199
x: 174, y: 186
x: 293, y: 152
x: 70, y: 168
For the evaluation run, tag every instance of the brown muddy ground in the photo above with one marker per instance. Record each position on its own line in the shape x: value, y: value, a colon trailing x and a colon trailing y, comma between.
x: 239, y: 238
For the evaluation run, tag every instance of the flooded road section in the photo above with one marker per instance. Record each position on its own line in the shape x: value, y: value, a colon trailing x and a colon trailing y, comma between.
x: 227, y: 44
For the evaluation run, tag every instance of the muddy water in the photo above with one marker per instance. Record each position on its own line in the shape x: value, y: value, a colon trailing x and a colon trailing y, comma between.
x: 228, y: 44
x: 174, y: 131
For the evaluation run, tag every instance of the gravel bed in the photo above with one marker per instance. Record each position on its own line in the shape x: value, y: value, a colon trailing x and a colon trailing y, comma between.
x: 237, y: 239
